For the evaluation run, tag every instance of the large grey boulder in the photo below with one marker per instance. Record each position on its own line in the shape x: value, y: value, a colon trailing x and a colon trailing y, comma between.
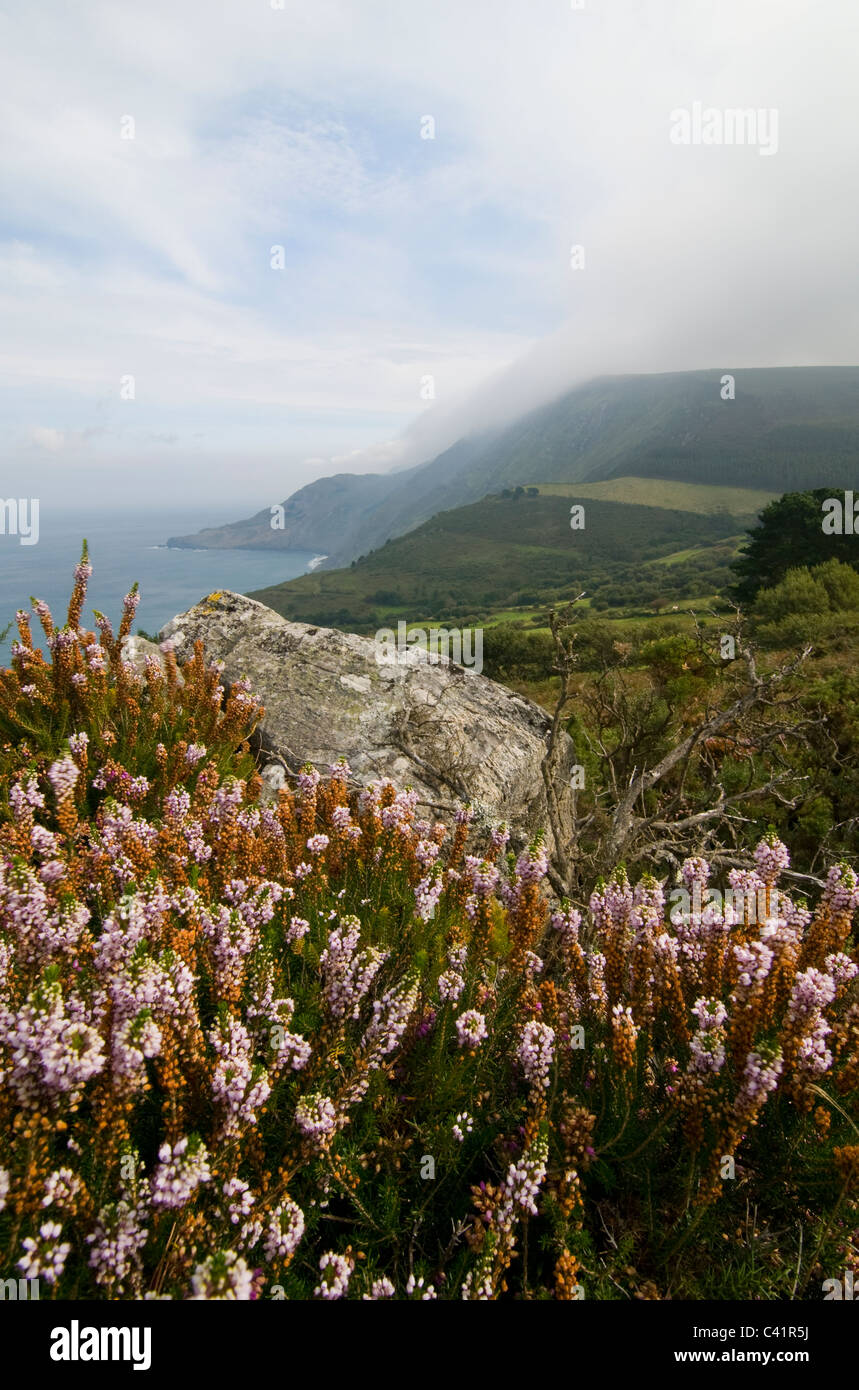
x: 451, y: 734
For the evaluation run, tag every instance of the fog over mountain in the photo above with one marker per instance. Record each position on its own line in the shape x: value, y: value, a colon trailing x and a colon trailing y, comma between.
x: 404, y: 257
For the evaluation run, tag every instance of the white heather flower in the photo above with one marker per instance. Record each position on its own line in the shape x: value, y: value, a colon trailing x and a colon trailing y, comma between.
x: 285, y: 1229
x: 315, y: 1116
x: 380, y: 1288
x: 181, y: 1169
x: 471, y: 1028
x: 463, y: 1118
x: 415, y: 1287
x: 224, y: 1275
x: 118, y: 1238
x: 297, y: 928
x: 60, y: 1187
x: 62, y: 776
x: 536, y: 1051
x: 240, y: 1199
x: 336, y: 1273
x: 450, y: 986
x: 44, y: 1258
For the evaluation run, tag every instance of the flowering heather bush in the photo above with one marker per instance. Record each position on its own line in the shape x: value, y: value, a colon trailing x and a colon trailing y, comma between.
x: 327, y: 1049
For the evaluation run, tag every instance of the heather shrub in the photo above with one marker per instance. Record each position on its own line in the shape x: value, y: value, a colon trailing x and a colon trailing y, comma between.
x: 323, y: 1047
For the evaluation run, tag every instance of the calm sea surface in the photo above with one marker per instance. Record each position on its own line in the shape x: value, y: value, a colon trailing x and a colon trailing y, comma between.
x: 123, y: 547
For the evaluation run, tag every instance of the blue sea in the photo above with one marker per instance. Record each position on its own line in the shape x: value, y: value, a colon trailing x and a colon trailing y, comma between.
x: 124, y: 547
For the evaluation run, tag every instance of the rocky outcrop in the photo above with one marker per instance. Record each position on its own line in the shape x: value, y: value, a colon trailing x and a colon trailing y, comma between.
x: 452, y: 734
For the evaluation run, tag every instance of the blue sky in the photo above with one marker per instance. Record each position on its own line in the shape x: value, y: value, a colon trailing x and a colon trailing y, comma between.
x: 404, y: 257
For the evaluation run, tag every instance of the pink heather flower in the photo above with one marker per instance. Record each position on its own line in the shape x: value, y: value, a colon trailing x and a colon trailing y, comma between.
x: 79, y: 679
x: 760, y: 1076
x: 116, y: 1242
x: 348, y: 973
x: 754, y: 961
x: 463, y: 1118
x: 336, y: 1272
x: 695, y: 870
x: 522, y: 1184
x: 44, y: 1258
x: 427, y: 894
x: 771, y: 856
x: 532, y: 865
x: 63, y: 776
x: 391, y: 1014
x: 415, y: 1289
x: 317, y: 844
x: 380, y: 1288
x: 426, y: 852
x: 484, y: 876
x: 471, y: 1028
x: 500, y: 837
x: 77, y: 743
x: 239, y: 1086
x: 194, y: 752
x: 297, y: 929
x: 240, y: 1199
x: 812, y: 991
x: 341, y: 817
x: 841, y: 968
x: 567, y: 923
x: 536, y: 1051
x: 53, y: 871
x: 285, y: 1229
x: 308, y: 780
x: 224, y: 1275
x: 180, y: 1170
x: 842, y: 890
x: 707, y: 1052
x: 710, y: 1013
x: 4, y: 1186
x: 450, y: 986
x: 24, y: 799
x: 315, y: 1116
x: 813, y: 1055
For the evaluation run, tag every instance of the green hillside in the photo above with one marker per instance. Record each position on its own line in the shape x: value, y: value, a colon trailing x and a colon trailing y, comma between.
x: 511, y: 551
x: 787, y: 428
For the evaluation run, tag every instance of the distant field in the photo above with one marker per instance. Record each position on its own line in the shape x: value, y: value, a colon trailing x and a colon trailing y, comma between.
x: 661, y: 492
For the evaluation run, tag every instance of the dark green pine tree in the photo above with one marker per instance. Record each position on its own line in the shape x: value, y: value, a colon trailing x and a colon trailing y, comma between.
x: 789, y: 534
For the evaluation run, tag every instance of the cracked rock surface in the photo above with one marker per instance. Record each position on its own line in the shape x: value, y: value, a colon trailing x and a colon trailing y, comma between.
x: 421, y: 721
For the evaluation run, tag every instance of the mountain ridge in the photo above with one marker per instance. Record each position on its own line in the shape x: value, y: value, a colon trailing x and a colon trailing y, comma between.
x: 786, y: 428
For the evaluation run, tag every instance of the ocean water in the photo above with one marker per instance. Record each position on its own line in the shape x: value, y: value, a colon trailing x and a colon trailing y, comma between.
x: 124, y: 547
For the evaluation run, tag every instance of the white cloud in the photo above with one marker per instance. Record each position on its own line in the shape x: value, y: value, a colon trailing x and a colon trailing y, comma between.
x: 300, y: 127
x: 52, y: 440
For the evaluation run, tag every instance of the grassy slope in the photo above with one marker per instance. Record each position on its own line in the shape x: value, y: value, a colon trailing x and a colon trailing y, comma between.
x: 484, y: 557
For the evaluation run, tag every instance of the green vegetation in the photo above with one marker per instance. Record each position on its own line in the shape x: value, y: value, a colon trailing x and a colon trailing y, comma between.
x: 326, y: 1049
x: 519, y: 551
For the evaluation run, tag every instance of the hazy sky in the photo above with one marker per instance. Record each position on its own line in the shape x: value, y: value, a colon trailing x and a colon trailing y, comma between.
x: 403, y: 257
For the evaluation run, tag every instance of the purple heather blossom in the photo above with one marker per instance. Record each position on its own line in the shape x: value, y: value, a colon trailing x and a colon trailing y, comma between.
x: 63, y: 775
x: 181, y: 1169
x: 771, y: 856
x: 315, y: 1116
x: 536, y: 1052
x: 336, y: 1271
x: 347, y: 973
x: 285, y: 1229
x: 471, y: 1028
